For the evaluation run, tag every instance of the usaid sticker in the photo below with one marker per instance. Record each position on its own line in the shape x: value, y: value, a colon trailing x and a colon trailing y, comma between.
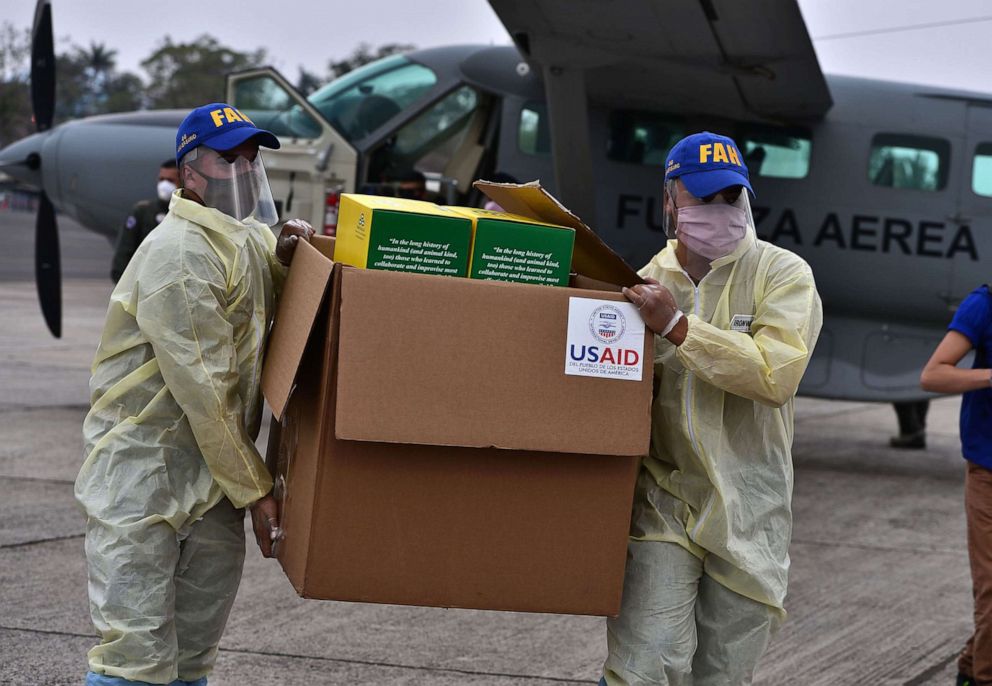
x: 605, y: 338
x: 741, y: 322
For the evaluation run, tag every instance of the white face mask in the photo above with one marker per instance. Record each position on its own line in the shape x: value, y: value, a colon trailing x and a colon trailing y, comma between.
x: 165, y: 190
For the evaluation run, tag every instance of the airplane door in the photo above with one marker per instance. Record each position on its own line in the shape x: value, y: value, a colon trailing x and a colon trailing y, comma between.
x: 315, y: 163
x: 972, y: 246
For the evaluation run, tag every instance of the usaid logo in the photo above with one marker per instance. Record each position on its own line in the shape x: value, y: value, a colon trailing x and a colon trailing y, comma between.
x: 607, y: 324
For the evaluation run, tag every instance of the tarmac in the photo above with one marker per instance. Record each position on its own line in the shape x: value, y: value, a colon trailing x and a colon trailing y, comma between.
x: 879, y: 594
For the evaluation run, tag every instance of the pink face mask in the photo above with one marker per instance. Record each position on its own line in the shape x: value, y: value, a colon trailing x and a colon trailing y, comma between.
x: 711, y: 231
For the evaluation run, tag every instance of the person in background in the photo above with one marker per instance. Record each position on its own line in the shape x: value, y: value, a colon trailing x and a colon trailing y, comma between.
x: 971, y: 329
x: 406, y: 183
x: 410, y: 184
x: 145, y: 216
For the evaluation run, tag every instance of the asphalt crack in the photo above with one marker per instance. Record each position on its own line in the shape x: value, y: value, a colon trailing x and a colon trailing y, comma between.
x: 880, y: 548
x: 926, y: 675
x: 39, y: 479
x: 340, y: 660
x: 18, y: 407
x: 39, y: 541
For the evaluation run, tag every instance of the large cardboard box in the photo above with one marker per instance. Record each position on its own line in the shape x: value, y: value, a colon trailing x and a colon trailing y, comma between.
x: 509, y: 247
x: 431, y: 449
x: 396, y: 234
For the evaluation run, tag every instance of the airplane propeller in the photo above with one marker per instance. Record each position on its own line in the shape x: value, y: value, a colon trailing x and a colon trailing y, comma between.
x: 47, y: 266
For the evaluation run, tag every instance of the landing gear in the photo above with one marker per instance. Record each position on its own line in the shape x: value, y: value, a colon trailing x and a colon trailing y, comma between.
x: 912, y: 418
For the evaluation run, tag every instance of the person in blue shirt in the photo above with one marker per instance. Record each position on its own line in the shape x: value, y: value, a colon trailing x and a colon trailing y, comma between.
x: 971, y: 329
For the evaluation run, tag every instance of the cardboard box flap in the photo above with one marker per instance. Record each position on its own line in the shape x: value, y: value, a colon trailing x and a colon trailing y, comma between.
x: 456, y: 362
x: 298, y: 305
x: 592, y: 257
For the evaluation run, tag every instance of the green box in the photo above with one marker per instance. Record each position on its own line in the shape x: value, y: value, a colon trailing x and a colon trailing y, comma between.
x: 508, y: 247
x: 400, y: 235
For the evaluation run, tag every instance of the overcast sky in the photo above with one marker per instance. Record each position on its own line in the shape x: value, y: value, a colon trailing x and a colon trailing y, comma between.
x: 311, y: 32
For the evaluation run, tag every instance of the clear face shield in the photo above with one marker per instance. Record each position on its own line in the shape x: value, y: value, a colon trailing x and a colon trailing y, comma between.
x: 236, y: 186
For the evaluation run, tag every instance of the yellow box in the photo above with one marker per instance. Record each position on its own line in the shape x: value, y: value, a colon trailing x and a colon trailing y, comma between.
x: 397, y: 234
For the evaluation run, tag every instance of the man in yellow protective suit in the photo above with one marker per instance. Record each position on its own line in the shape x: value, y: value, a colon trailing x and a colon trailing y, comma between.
x: 735, y: 320
x: 169, y: 439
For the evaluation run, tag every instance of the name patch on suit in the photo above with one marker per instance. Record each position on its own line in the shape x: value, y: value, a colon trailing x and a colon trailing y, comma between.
x: 741, y: 322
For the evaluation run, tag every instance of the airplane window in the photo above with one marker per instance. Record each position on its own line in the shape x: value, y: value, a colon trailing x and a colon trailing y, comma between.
x: 363, y: 100
x: 533, y: 134
x: 981, y: 171
x: 428, y: 142
x: 271, y: 107
x: 912, y: 162
x: 777, y: 154
x: 642, y: 137
x: 442, y: 120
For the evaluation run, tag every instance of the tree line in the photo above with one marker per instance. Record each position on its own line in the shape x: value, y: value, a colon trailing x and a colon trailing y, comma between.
x: 179, y: 75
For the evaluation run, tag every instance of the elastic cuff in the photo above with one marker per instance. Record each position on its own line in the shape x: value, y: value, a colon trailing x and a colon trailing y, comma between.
x: 671, y: 325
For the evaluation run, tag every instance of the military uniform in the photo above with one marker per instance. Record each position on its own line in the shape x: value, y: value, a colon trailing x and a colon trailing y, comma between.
x: 144, y: 217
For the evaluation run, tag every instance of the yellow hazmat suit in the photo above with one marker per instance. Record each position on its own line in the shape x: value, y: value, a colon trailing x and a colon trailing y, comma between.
x: 718, y: 481
x: 170, y: 454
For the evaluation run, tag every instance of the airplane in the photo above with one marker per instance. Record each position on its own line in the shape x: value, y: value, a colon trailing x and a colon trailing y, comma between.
x: 884, y: 188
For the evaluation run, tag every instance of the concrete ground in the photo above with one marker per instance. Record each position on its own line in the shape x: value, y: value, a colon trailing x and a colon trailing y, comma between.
x: 880, y: 590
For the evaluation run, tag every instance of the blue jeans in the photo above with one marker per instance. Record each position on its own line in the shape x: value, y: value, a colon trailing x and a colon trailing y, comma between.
x: 94, y: 679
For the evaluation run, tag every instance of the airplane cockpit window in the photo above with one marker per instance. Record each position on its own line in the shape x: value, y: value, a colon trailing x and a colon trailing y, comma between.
x: 432, y: 141
x: 271, y: 107
x: 910, y: 162
x: 981, y: 170
x: 533, y: 132
x: 777, y: 154
x: 439, y: 123
x: 642, y: 137
x: 363, y: 100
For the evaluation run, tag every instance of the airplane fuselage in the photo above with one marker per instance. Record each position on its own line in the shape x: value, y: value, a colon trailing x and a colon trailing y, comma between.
x: 893, y: 249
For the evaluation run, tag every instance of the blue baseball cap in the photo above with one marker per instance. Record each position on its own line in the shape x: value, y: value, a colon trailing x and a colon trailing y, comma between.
x: 707, y: 163
x: 219, y: 127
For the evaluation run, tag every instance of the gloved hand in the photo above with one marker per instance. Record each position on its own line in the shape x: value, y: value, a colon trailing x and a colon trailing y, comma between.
x: 292, y: 232
x: 656, y: 304
x: 265, y: 522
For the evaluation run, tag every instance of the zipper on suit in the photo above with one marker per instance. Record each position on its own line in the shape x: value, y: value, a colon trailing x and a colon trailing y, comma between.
x: 689, y: 388
x: 689, y: 379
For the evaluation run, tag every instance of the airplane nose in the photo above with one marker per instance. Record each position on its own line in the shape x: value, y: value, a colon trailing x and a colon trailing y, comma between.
x: 22, y: 159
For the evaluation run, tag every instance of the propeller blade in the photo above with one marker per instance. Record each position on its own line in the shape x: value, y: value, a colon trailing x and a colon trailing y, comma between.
x: 47, y: 268
x: 47, y: 271
x: 43, y: 66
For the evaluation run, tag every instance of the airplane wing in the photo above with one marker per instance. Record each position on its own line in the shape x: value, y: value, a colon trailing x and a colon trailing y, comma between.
x: 742, y: 60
